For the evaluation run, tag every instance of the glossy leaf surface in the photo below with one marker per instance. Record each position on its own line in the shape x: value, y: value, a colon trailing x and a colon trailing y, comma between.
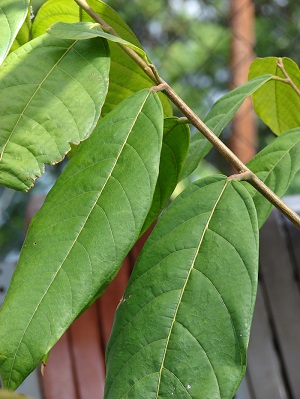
x: 220, y: 115
x: 77, y: 241
x: 277, y: 103
x: 46, y: 83
x: 173, y: 153
x: 87, y: 30
x: 275, y: 165
x: 12, y: 16
x: 182, y: 328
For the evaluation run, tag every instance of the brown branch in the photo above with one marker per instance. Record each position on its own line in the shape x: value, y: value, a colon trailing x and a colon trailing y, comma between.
x: 197, y: 122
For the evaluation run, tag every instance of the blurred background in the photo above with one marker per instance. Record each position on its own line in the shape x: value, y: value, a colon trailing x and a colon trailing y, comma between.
x: 202, y: 48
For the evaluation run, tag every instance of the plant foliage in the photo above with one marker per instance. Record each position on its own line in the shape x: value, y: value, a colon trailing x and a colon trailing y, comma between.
x: 182, y: 328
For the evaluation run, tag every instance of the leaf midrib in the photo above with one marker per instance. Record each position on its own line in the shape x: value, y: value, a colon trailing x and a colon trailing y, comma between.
x: 33, y: 95
x: 76, y: 238
x: 184, y: 286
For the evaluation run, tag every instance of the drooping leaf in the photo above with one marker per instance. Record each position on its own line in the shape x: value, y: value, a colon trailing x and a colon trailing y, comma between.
x: 4, y: 394
x: 276, y: 165
x: 53, y: 11
x: 88, y: 30
x: 23, y: 35
x: 219, y: 116
x: 12, y: 16
x: 174, y: 150
x: 46, y: 84
x: 277, y: 103
x: 126, y: 77
x: 77, y: 241
x: 182, y: 327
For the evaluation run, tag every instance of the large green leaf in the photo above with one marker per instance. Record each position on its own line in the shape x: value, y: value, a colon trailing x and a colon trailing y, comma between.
x: 174, y: 150
x: 12, y: 16
x: 276, y: 165
x: 182, y: 327
x: 88, y: 30
x: 219, y: 116
x: 277, y: 103
x: 126, y: 77
x: 44, y: 86
x: 77, y: 241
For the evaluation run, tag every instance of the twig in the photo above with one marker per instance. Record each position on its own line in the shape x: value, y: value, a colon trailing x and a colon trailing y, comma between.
x: 198, y: 123
x: 287, y: 79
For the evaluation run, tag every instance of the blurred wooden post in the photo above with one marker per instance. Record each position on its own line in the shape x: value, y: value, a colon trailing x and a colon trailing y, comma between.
x: 243, y: 138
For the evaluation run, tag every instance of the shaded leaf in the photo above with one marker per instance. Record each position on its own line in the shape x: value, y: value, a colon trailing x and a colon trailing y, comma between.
x: 46, y: 83
x: 219, y: 116
x: 182, y: 328
x: 12, y: 16
x: 276, y: 165
x: 88, y: 30
x: 174, y: 150
x: 77, y: 241
x: 126, y: 76
x: 276, y: 103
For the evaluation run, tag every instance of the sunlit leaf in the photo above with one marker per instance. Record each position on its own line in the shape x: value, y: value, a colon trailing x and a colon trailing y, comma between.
x: 46, y: 84
x: 277, y: 103
x: 12, y: 16
x: 126, y: 77
x: 4, y: 394
x: 77, y: 241
x: 23, y: 35
x: 182, y: 327
x: 53, y: 11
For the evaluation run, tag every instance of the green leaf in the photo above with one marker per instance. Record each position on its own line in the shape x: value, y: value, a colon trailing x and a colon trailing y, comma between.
x: 219, y: 116
x: 125, y: 77
x: 12, y: 16
x: 277, y: 103
x: 276, y: 165
x: 175, y: 146
x: 45, y: 84
x: 182, y: 327
x: 88, y: 30
x: 77, y: 241
x: 54, y: 11
x: 23, y: 35
x: 4, y: 394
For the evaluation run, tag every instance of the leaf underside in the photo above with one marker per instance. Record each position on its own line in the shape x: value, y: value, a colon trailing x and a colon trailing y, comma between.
x: 182, y: 328
x: 77, y: 241
x: 45, y: 84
